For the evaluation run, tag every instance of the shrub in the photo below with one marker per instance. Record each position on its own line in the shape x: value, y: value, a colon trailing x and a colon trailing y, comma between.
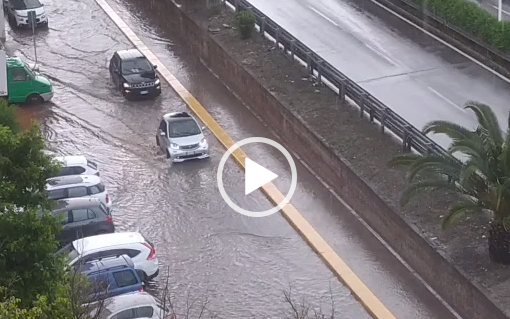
x: 473, y: 19
x: 245, y: 23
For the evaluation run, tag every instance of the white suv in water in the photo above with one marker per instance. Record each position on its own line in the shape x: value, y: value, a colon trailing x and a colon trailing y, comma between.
x: 78, y: 186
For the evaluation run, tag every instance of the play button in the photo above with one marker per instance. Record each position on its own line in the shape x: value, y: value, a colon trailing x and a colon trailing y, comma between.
x: 256, y: 176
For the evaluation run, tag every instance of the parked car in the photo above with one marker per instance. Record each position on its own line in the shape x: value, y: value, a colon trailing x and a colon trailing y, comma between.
x: 133, y: 244
x: 133, y: 75
x: 17, y: 12
x: 77, y: 165
x: 135, y: 305
x: 111, y: 276
x: 75, y: 186
x: 82, y: 217
x: 181, y: 138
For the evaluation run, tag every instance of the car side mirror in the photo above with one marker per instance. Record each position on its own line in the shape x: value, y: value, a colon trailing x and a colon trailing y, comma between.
x: 162, y: 134
x: 155, y: 67
x: 204, y: 128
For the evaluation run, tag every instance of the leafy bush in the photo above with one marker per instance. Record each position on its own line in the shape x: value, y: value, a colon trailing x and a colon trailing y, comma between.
x: 473, y: 19
x: 245, y: 23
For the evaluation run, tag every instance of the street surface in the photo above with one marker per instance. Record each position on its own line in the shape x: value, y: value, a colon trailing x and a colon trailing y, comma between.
x: 240, y: 264
x: 418, y: 77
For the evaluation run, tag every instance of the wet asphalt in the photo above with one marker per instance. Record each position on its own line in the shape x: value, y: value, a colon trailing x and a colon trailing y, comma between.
x: 417, y: 76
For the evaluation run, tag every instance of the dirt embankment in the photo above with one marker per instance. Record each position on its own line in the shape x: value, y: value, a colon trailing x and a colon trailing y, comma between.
x: 358, y: 142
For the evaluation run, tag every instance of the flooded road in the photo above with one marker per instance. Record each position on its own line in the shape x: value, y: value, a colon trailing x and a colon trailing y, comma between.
x: 415, y: 75
x: 240, y: 264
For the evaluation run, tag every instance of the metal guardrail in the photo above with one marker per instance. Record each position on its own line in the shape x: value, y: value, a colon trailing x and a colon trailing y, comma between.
x: 411, y: 137
x: 494, y: 58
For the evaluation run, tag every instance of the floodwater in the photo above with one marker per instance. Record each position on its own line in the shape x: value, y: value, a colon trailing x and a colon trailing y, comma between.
x: 241, y: 265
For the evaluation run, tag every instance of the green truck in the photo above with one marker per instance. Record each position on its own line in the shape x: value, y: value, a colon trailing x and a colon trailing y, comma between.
x: 20, y: 83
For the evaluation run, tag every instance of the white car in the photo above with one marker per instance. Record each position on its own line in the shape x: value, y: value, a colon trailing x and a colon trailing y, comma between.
x: 74, y: 186
x: 77, y: 165
x: 17, y: 12
x: 133, y: 244
x: 134, y: 305
x: 181, y: 138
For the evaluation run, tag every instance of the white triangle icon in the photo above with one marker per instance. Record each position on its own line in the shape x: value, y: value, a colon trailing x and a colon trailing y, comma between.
x: 255, y: 176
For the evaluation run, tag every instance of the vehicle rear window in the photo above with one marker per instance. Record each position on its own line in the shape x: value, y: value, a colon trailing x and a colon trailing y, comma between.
x: 69, y: 251
x: 135, y: 313
x: 96, y: 189
x: 92, y: 165
x: 57, y: 194
x: 125, y: 278
x: 144, y: 312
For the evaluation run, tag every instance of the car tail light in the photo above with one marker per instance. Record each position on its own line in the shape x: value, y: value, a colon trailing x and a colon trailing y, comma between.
x: 107, y: 198
x: 152, y: 254
x: 109, y: 220
x: 140, y: 290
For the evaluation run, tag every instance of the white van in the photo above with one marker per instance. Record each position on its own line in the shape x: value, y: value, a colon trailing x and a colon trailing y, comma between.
x: 17, y: 12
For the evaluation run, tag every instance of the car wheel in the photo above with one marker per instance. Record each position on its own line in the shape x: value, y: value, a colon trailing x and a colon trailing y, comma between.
x: 167, y: 154
x: 157, y: 140
x: 34, y: 99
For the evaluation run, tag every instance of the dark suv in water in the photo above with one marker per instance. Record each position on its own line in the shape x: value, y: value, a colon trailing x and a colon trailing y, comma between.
x: 82, y: 217
x: 133, y: 75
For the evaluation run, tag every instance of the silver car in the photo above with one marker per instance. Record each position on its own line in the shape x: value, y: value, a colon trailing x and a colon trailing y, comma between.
x: 133, y: 305
x: 181, y: 138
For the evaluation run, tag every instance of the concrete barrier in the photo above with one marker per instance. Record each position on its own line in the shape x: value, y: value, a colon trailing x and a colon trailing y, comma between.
x: 468, y: 298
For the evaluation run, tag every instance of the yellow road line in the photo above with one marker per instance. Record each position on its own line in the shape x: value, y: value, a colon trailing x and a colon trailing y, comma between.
x: 365, y: 296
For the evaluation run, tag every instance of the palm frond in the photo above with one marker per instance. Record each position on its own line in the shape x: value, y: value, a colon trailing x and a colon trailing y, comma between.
x: 404, y: 160
x: 424, y: 187
x: 438, y: 164
x: 452, y: 130
x: 487, y: 119
x: 458, y: 212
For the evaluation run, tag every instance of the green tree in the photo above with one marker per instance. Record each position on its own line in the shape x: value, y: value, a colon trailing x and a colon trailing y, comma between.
x: 8, y: 117
x: 24, y: 167
x: 482, y: 180
x: 28, y: 266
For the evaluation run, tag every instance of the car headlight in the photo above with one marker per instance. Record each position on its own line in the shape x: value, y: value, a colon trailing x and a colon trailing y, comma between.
x: 203, y: 142
x: 174, y: 146
x: 156, y: 82
x: 126, y: 85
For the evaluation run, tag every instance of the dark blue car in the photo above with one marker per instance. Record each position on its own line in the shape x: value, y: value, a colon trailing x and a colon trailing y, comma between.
x: 112, y: 276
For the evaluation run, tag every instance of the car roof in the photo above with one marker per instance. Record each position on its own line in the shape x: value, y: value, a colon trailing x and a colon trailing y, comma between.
x: 130, y: 300
x: 64, y: 181
x: 130, y: 54
x: 72, y: 160
x: 176, y: 116
x: 99, y: 242
x: 76, y: 203
x: 15, y: 62
x: 107, y: 263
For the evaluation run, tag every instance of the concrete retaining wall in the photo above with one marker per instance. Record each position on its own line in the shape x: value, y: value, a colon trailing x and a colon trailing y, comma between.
x: 465, y: 297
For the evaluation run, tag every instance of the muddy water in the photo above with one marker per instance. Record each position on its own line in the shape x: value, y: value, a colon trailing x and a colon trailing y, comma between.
x: 240, y: 264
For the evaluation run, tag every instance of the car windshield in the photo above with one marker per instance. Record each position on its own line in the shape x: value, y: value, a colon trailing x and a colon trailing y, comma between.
x: 183, y: 128
x: 29, y: 71
x: 136, y: 66
x: 25, y: 4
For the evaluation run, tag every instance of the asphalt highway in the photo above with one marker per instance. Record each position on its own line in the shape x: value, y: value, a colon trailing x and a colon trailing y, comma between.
x: 416, y: 75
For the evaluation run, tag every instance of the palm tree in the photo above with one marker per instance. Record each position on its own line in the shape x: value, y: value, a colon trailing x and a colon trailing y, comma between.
x: 482, y: 180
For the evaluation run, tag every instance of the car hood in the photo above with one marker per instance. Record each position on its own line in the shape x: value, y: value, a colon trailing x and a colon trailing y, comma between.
x: 188, y: 140
x: 138, y: 78
x: 24, y: 13
x: 42, y: 79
